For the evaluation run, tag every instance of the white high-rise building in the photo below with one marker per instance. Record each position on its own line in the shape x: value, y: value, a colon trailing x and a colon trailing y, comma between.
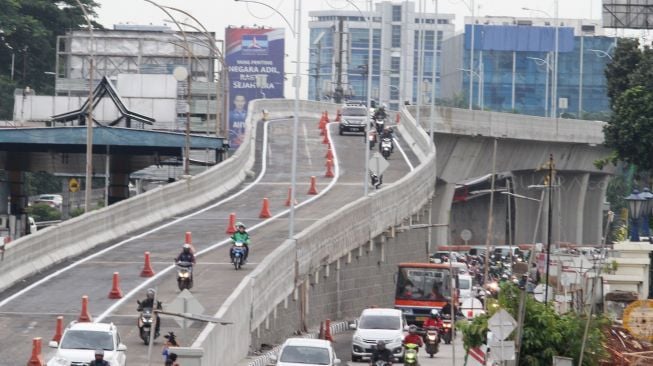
x: 395, y: 50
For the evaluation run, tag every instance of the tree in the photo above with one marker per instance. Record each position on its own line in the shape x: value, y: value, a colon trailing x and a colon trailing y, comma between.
x: 29, y: 30
x: 625, y: 60
x: 546, y: 333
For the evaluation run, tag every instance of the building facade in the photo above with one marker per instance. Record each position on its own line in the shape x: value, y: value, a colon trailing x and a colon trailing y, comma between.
x: 510, y: 63
x: 339, y: 46
x: 144, y: 50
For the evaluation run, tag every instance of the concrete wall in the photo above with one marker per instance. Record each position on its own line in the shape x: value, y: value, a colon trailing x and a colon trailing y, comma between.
x: 342, y: 289
x: 472, y: 215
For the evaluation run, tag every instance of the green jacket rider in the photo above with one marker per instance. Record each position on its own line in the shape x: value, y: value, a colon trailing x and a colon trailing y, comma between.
x: 242, y: 236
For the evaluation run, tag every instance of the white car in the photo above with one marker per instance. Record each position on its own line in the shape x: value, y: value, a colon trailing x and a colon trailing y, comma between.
x: 305, y: 352
x: 80, y: 340
x: 52, y: 200
x: 375, y: 325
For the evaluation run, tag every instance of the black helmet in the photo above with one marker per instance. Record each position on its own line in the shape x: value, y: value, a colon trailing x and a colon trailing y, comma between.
x: 380, y: 344
x: 186, y: 248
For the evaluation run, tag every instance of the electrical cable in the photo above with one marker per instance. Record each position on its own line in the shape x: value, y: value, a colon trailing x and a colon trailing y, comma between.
x: 262, y: 17
x: 328, y: 3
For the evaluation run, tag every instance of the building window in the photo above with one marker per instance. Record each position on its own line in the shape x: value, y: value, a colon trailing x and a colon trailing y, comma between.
x: 443, y: 21
x: 396, y: 13
x: 395, y: 64
x: 396, y: 36
x: 394, y: 88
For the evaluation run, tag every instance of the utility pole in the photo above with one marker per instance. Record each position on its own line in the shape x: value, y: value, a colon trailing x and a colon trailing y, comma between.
x: 339, y: 90
x: 549, y: 184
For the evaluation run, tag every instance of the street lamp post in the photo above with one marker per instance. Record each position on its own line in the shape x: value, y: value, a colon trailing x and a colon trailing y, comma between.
x: 554, y: 69
x: 370, y: 70
x: 296, y: 31
x: 646, y: 212
x: 636, y: 205
x: 549, y: 69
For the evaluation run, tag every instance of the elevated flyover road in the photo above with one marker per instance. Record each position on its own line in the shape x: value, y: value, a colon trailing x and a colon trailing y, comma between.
x: 30, y: 311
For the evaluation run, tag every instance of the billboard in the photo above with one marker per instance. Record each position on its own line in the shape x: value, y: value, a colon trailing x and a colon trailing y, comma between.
x: 255, y: 58
x: 631, y: 14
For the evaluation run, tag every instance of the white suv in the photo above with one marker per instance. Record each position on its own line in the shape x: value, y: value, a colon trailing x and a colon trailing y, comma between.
x: 375, y: 325
x: 80, y: 340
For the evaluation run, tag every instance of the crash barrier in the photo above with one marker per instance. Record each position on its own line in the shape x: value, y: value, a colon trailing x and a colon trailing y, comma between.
x: 35, y: 252
x: 511, y: 125
x: 264, y: 360
x: 322, y: 243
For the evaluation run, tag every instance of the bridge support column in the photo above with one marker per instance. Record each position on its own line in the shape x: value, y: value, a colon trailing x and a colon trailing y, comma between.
x: 594, y: 198
x: 118, y: 179
x: 525, y: 214
x: 569, y: 207
x: 441, y: 211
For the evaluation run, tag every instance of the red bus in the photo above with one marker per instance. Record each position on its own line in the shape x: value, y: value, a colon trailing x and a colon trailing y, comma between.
x: 422, y: 287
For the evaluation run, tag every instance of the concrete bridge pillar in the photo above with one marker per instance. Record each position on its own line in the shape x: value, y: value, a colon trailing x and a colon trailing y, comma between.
x: 118, y: 179
x: 526, y: 211
x: 594, y: 198
x: 441, y: 211
x: 569, y: 207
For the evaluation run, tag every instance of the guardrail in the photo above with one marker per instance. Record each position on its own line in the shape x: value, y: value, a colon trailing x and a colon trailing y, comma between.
x: 328, y: 239
x: 512, y: 125
x: 33, y: 253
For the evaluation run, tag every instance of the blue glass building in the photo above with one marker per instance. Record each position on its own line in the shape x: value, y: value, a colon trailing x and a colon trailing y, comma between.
x: 512, y: 69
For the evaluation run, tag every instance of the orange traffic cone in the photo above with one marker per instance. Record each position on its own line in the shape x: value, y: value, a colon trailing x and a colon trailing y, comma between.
x: 326, y: 116
x: 397, y: 118
x: 288, y: 200
x: 322, y: 131
x: 322, y: 122
x: 84, y: 315
x: 338, y: 115
x: 327, y: 330
x: 325, y: 140
x: 188, y: 237
x: 329, y: 172
x: 58, y: 330
x: 147, y: 267
x: 329, y: 154
x: 116, y: 292
x: 313, y: 188
x: 231, y: 227
x: 36, y: 359
x: 265, y: 210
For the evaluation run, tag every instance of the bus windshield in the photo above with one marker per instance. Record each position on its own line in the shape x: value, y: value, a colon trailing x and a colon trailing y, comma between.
x: 424, y: 284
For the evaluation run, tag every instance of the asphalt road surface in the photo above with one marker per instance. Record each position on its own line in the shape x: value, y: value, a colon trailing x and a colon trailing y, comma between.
x: 27, y: 312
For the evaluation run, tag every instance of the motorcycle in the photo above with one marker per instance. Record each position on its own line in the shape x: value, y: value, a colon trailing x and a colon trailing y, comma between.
x: 447, y: 329
x: 184, y: 275
x: 145, y: 324
x: 410, y: 354
x: 238, y: 254
x: 432, y: 341
x: 386, y: 147
x: 380, y: 124
x: 376, y: 180
x: 371, y: 137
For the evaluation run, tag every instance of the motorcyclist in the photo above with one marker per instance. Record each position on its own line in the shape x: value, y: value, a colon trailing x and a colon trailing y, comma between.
x: 242, y: 236
x: 99, y: 359
x: 380, y: 113
x: 446, y: 309
x: 187, y: 255
x: 381, y: 353
x: 148, y: 303
x: 387, y: 133
x: 434, y: 320
x: 413, y: 337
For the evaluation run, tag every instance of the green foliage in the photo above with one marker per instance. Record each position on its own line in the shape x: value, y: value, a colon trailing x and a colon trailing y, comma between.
x: 76, y: 212
x: 31, y: 28
x: 43, y: 212
x: 41, y: 182
x: 625, y: 60
x: 546, y: 333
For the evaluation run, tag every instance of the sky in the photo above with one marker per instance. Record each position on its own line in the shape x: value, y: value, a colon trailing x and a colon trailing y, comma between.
x: 216, y: 15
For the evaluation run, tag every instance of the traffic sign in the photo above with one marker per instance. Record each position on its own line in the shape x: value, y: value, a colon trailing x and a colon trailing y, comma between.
x: 502, y: 350
x: 378, y: 164
x: 501, y: 325
x: 185, y: 302
x: 73, y: 185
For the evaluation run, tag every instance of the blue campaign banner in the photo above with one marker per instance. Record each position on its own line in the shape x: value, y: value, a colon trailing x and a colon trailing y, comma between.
x: 255, y: 58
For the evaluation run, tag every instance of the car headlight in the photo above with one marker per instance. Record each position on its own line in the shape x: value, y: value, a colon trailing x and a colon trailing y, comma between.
x: 398, y: 340
x: 357, y: 338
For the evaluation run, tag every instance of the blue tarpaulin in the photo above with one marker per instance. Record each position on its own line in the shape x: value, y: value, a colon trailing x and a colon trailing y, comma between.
x: 519, y: 38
